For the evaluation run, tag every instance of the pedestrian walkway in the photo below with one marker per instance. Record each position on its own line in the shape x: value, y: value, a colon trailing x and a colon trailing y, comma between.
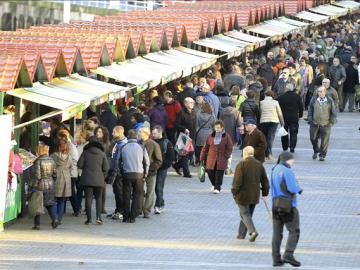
x: 198, y: 229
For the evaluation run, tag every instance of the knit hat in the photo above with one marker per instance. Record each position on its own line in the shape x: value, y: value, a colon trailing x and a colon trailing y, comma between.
x: 285, y: 156
x: 249, y: 121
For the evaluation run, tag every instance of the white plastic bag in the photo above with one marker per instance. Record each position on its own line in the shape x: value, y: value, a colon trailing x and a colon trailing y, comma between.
x: 281, y: 132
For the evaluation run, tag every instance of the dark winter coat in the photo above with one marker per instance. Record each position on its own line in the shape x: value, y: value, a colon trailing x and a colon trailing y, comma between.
x: 249, y: 109
x: 250, y: 176
x: 158, y: 116
x: 291, y: 106
x: 108, y: 120
x: 336, y: 74
x: 217, y: 154
x: 187, y: 92
x: 125, y: 119
x: 204, y: 127
x: 186, y: 120
x: 352, y: 79
x: 232, y: 80
x: 167, y: 152
x: 257, y: 140
x: 94, y: 165
x: 279, y: 87
x: 316, y: 83
x: 267, y: 73
x: 155, y: 156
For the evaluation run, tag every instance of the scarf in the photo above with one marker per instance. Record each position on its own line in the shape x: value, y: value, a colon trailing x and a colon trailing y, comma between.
x: 322, y: 100
x: 217, y: 138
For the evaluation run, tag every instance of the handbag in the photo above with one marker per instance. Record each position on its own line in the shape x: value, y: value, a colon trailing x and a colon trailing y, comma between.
x: 36, y: 203
x: 201, y: 173
x: 282, y: 204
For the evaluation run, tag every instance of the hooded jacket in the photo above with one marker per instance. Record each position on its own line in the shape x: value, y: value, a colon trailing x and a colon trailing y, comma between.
x: 94, y: 165
x: 158, y: 116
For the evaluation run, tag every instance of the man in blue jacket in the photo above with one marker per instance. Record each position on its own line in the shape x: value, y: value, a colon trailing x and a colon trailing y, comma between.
x: 283, y: 184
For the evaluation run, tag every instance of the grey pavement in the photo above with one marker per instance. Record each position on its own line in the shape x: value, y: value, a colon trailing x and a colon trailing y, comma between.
x: 198, y: 229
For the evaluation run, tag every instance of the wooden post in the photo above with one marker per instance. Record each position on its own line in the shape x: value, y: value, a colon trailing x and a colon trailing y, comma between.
x: 2, y: 96
x: 35, y: 109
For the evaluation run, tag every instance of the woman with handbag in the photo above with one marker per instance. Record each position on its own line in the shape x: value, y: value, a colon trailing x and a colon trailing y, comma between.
x: 64, y: 165
x: 271, y: 116
x: 215, y: 154
x: 94, y: 165
x: 204, y: 127
x: 42, y: 182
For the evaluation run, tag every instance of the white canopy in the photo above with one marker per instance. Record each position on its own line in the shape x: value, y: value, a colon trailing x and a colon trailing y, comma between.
x: 257, y: 41
x: 330, y: 10
x: 352, y: 5
x: 312, y: 17
x: 281, y: 26
x: 266, y: 30
x: 293, y: 22
x: 232, y: 49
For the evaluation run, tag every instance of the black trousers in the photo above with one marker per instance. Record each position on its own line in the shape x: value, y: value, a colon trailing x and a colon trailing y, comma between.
x: 103, y: 198
x: 133, y: 189
x: 118, y: 192
x: 90, y: 192
x: 170, y: 135
x: 292, y: 129
x: 216, y: 177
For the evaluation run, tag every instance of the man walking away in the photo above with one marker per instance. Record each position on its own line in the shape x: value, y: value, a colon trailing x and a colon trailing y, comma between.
x: 168, y: 156
x: 352, y: 79
x: 321, y: 116
x: 283, y: 184
x: 134, y: 163
x: 337, y: 76
x: 249, y: 175
x: 292, y: 108
x: 155, y: 157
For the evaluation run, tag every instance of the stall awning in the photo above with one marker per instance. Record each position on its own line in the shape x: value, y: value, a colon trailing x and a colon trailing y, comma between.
x: 351, y: 5
x: 232, y: 49
x: 140, y: 72
x: 293, y: 22
x: 196, y: 53
x: 70, y: 103
x: 330, y: 10
x: 312, y: 17
x: 282, y: 27
x: 189, y: 64
x: 266, y: 30
x: 257, y: 41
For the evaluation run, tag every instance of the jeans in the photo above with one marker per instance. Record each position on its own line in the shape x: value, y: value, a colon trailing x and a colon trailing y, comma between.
x: 118, y: 192
x: 74, y: 198
x: 216, y: 177
x: 269, y: 130
x: 246, y: 223
x: 52, y: 210
x: 292, y: 129
x: 60, y: 207
x: 79, y: 193
x: 351, y: 98
x: 150, y: 182
x: 292, y: 224
x: 183, y: 163
x: 159, y: 187
x: 133, y: 191
x: 323, y: 133
x: 90, y: 192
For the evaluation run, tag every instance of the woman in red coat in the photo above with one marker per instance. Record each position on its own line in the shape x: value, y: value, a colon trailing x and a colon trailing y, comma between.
x: 215, y: 153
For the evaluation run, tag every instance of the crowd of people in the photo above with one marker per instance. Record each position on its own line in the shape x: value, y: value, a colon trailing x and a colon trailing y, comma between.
x: 234, y: 104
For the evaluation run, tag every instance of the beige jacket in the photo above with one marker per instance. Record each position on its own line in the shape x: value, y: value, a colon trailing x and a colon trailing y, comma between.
x: 271, y: 111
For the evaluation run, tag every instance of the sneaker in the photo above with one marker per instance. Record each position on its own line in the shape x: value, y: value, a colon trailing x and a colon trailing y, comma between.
x: 253, y: 236
x: 157, y: 211
x: 314, y: 156
x: 212, y: 189
x: 99, y: 221
x: 116, y: 216
x: 215, y: 191
x: 322, y: 159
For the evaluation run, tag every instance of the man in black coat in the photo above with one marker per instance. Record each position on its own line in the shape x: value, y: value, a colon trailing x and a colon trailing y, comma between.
x: 352, y: 79
x: 265, y: 71
x: 292, y: 109
x: 107, y: 118
x: 187, y: 92
x: 125, y: 118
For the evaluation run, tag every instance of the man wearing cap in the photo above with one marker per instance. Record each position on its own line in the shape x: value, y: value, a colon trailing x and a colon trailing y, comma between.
x: 284, y: 185
x: 321, y: 117
x: 249, y: 176
x: 255, y: 138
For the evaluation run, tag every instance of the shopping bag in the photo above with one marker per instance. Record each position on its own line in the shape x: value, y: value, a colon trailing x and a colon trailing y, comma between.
x: 281, y: 132
x: 184, y: 145
x: 201, y: 173
x: 36, y: 204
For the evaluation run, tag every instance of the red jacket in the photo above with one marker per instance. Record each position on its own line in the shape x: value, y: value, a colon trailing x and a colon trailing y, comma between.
x: 217, y: 154
x: 172, y: 109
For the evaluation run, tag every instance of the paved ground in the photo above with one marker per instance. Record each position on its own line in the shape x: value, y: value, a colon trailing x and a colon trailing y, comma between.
x: 198, y: 229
